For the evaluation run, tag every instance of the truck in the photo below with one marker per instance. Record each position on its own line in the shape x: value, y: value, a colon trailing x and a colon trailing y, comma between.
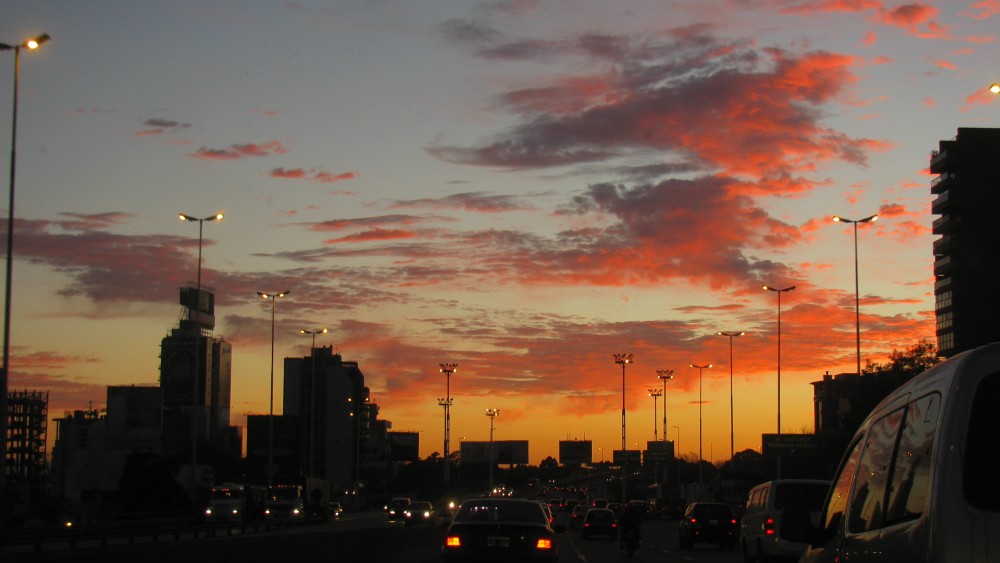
x: 234, y: 502
x: 284, y: 501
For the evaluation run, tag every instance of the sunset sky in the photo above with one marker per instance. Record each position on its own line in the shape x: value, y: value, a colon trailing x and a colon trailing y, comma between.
x: 521, y: 187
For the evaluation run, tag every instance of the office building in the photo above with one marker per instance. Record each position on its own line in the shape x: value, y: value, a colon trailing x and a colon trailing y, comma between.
x: 966, y: 255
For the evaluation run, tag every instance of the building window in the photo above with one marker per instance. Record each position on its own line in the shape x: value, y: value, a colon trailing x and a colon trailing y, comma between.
x: 946, y: 341
x: 942, y: 301
x: 944, y: 322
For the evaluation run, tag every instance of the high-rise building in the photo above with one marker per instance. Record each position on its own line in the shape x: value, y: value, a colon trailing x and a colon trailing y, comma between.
x: 196, y: 375
x: 27, y: 415
x: 338, y: 427
x: 966, y: 256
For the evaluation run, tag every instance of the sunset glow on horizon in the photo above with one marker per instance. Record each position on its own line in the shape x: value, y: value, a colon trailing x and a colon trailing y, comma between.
x: 520, y: 187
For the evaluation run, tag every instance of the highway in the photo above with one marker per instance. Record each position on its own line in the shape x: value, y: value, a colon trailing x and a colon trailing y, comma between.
x: 369, y: 538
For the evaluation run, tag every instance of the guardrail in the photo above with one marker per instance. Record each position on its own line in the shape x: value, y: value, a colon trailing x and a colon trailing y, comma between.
x: 53, y: 538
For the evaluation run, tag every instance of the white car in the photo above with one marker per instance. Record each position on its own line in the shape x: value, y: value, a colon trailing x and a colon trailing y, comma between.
x: 760, y: 538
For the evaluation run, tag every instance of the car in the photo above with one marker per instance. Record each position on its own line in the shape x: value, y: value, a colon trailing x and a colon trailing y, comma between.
x: 555, y: 504
x: 918, y: 480
x: 396, y: 509
x: 616, y: 507
x: 501, y: 529
x: 548, y: 511
x: 576, y: 517
x: 760, y: 526
x: 599, y: 522
x: 599, y: 503
x: 333, y: 510
x: 420, y: 512
x: 707, y: 522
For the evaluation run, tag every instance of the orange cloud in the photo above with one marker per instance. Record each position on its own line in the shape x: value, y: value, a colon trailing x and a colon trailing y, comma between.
x: 240, y: 151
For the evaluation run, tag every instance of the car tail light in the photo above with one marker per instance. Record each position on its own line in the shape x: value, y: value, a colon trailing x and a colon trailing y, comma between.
x: 769, y: 526
x: 586, y: 524
x: 453, y: 541
x: 543, y: 543
x: 694, y: 520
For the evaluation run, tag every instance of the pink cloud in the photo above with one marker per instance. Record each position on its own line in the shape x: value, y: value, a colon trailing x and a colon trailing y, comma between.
x: 982, y: 10
x: 240, y: 151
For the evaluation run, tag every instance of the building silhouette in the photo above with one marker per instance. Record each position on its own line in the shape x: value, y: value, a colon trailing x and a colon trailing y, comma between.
x: 196, y: 375
x: 966, y: 264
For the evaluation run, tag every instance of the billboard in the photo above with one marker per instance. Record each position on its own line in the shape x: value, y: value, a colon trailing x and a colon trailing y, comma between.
x: 576, y: 452
x: 659, y: 451
x: 791, y: 444
x: 508, y: 452
x: 405, y: 446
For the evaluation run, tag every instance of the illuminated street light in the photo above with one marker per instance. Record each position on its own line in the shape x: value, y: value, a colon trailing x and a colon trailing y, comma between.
x: 30, y: 44
x: 492, y: 413
x: 273, y: 297
x: 779, y: 292
x: 995, y: 88
x: 623, y: 360
x: 447, y: 370
x: 312, y: 397
x: 857, y: 293
x: 197, y: 347
x: 700, y: 402
x: 655, y: 394
x: 664, y: 375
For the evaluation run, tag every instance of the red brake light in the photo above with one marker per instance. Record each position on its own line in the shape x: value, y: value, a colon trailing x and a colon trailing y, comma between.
x: 694, y: 520
x: 452, y: 541
x: 769, y: 526
x: 543, y: 543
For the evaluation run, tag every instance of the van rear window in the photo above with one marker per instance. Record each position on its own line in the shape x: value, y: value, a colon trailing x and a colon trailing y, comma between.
x: 979, y: 480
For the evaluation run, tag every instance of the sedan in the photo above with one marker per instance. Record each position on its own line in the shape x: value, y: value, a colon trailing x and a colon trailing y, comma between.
x: 600, y: 522
x: 420, y: 512
x: 501, y: 529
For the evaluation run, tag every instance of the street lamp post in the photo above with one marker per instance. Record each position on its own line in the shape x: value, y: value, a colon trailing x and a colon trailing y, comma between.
x: 623, y: 360
x: 677, y: 452
x: 732, y: 439
x: 857, y: 294
x: 700, y: 402
x: 447, y: 370
x: 312, y: 397
x: 655, y: 394
x: 779, y: 292
x: 664, y: 375
x: 273, y: 297
x: 492, y: 413
x: 197, y: 346
x: 30, y: 44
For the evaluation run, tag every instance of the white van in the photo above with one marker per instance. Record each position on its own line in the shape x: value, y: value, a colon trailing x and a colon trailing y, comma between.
x: 760, y: 527
x: 919, y: 481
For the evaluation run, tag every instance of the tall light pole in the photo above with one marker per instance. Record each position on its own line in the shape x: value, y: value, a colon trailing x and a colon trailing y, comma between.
x: 273, y: 297
x: 857, y: 293
x: 664, y: 375
x: 700, y: 402
x: 197, y: 346
x: 492, y: 413
x: 447, y: 370
x: 312, y: 397
x: 30, y: 44
x: 677, y: 452
x: 732, y: 439
x: 655, y: 394
x: 779, y: 292
x: 623, y: 360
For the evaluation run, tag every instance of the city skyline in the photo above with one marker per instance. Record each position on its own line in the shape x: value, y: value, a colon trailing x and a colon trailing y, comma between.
x: 520, y: 187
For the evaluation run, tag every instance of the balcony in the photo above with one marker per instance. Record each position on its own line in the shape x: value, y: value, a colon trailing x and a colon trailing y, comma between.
x: 942, y: 225
x: 942, y: 246
x: 943, y: 182
x: 942, y: 265
x: 941, y: 203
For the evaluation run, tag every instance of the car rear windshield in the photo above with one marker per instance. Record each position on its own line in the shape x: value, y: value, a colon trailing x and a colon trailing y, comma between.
x: 528, y: 512
x: 718, y: 511
x: 810, y: 495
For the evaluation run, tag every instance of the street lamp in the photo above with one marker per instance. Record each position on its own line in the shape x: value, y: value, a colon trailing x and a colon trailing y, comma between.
x: 31, y: 44
x: 655, y: 394
x: 447, y: 370
x: 677, y: 452
x: 664, y: 375
x: 312, y: 397
x: 700, y: 402
x: 492, y: 413
x: 197, y: 347
x: 623, y: 360
x: 779, y: 292
x: 273, y: 297
x: 732, y: 439
x: 857, y: 294
x: 995, y: 88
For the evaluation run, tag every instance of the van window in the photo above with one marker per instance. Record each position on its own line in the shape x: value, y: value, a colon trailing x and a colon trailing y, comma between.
x: 810, y: 495
x: 868, y: 495
x: 979, y: 480
x: 835, y: 506
x: 910, y: 481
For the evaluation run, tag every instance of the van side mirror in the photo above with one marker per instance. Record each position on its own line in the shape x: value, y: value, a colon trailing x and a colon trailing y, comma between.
x: 796, y: 524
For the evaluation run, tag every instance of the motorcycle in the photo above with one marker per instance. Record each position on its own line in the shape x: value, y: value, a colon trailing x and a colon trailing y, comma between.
x: 631, y: 541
